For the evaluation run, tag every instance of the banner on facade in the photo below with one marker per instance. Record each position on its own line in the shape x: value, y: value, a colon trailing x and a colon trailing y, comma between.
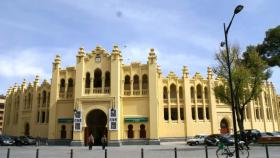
x: 77, y: 120
x: 113, y: 119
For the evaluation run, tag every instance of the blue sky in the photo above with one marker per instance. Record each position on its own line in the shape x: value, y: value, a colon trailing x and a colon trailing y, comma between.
x: 183, y: 32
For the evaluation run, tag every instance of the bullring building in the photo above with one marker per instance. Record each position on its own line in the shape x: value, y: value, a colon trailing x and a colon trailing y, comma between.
x: 130, y: 104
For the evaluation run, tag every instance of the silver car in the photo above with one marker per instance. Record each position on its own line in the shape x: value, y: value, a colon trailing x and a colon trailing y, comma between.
x: 198, y: 139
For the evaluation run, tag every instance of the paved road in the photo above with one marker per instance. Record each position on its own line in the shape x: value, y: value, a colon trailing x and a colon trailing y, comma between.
x: 166, y: 150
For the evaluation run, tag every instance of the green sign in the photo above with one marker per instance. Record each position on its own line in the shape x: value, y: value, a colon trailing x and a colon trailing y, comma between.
x: 136, y: 119
x: 65, y: 120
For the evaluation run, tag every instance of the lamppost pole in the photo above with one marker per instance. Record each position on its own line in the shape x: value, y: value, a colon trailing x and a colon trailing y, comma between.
x: 226, y: 29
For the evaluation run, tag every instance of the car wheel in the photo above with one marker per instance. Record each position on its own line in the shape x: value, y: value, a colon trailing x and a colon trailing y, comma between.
x: 196, y: 143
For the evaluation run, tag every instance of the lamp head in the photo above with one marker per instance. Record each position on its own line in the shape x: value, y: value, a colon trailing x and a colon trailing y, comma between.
x: 238, y: 9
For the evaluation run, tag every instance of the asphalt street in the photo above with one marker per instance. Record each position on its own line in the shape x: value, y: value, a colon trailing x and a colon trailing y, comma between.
x: 166, y: 150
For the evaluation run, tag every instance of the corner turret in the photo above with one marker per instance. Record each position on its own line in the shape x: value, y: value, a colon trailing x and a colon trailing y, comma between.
x: 152, y: 57
x: 116, y: 53
x: 80, y: 56
x: 209, y: 73
x: 185, y: 72
x: 36, y: 81
x: 56, y: 63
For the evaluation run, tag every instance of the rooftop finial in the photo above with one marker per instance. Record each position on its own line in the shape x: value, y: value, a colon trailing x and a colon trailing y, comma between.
x: 116, y: 48
x: 209, y: 73
x: 81, y: 50
x: 185, y: 71
x: 98, y: 48
x: 57, y: 59
x: 152, y: 52
x: 152, y: 56
x: 24, y: 81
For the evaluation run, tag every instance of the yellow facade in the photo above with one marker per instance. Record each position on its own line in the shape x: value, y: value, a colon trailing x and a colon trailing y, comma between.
x: 2, y: 110
x: 150, y: 107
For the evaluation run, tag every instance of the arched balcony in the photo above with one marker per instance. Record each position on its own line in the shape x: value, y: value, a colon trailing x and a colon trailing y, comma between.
x: 62, y: 88
x: 127, y: 85
x: 145, y: 85
x: 107, y: 82
x: 87, y: 83
x: 97, y: 84
x: 70, y: 88
x: 136, y: 88
x: 173, y: 94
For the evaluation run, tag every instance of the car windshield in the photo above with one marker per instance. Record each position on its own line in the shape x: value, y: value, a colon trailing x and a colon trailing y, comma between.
x: 197, y: 136
x: 6, y: 137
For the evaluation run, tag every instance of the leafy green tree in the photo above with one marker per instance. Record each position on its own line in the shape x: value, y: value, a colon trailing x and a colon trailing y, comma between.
x: 270, y: 48
x: 248, y: 73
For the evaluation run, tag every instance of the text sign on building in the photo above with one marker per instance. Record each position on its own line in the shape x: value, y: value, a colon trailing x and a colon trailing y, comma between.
x: 113, y: 120
x: 77, y: 120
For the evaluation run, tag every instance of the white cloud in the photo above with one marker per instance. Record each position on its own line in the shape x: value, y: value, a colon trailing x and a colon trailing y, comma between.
x: 23, y: 64
x: 169, y: 61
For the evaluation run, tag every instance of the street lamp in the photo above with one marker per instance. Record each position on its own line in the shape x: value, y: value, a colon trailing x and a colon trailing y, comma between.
x: 226, y: 29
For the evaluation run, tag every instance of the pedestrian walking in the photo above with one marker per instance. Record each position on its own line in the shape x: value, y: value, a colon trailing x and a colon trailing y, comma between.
x: 104, y: 141
x: 90, y: 141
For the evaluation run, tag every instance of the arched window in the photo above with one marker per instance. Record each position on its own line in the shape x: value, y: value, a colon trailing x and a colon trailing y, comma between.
x: 29, y: 100
x: 205, y: 92
x: 63, y: 132
x: 192, y: 92
x: 44, y: 97
x: 224, y: 126
x: 97, y: 78
x: 107, y: 79
x: 173, y: 93
x: 248, y: 112
x: 49, y: 98
x: 72, y: 132
x: 62, y: 85
x: 26, y: 129
x: 145, y: 82
x: 87, y: 85
x: 39, y: 99
x: 130, y: 133
x: 165, y: 95
x: 180, y: 92
x: 127, y: 83
x: 135, y: 82
x: 25, y: 101
x: 199, y: 91
x: 70, y: 83
x: 142, y: 131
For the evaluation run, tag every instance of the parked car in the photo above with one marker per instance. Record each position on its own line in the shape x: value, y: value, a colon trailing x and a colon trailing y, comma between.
x: 198, y: 139
x: 266, y: 134
x: 227, y: 139
x: 28, y: 140
x: 17, y: 140
x: 250, y: 135
x: 276, y: 134
x: 269, y: 138
x: 212, y: 139
x: 5, y: 140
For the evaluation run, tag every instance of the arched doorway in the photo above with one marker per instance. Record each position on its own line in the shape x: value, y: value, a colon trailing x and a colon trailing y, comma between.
x: 142, y: 131
x: 26, y: 129
x: 96, y: 121
x: 224, y: 126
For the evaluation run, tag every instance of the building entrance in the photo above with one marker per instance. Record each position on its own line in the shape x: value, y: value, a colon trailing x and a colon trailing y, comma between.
x: 224, y: 126
x: 96, y: 121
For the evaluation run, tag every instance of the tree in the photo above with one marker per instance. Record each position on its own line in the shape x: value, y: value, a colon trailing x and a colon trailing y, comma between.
x: 248, y: 73
x: 270, y: 48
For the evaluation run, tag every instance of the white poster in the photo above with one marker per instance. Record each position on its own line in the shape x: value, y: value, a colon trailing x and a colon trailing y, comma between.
x: 113, y: 120
x: 77, y: 120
